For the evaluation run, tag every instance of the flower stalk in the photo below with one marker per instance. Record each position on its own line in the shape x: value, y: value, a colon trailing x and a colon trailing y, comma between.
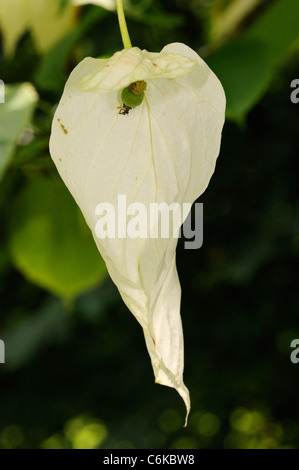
x: 123, y: 24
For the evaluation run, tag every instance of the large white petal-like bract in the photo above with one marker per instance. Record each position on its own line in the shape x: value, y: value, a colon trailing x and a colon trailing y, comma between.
x: 107, y: 4
x: 163, y: 151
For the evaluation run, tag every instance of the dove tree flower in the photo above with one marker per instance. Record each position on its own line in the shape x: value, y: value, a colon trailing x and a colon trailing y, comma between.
x: 46, y: 20
x: 148, y: 126
x: 107, y: 4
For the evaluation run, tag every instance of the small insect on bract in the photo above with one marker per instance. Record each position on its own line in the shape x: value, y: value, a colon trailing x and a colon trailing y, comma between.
x: 124, y: 109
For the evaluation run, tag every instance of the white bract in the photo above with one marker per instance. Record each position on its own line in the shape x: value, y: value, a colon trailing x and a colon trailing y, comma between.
x: 107, y: 4
x: 46, y: 20
x: 162, y: 151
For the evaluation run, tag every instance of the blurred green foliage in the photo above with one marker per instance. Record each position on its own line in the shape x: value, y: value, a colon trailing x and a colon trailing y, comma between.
x: 77, y: 374
x: 48, y: 215
x: 14, y: 116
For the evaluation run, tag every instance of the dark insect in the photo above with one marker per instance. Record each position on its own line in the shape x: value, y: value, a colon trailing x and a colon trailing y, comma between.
x: 125, y: 109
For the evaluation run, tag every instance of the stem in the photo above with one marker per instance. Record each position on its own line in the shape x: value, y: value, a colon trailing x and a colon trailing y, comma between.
x: 123, y: 25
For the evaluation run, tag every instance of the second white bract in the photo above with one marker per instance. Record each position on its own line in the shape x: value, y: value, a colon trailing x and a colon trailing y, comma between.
x: 162, y: 151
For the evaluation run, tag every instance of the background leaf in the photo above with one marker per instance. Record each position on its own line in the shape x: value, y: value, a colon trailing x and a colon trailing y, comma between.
x: 246, y: 65
x: 51, y: 73
x: 15, y: 114
x: 50, y: 242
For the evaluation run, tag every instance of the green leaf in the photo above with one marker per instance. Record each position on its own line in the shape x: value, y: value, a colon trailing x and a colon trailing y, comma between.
x: 52, y: 74
x: 15, y: 114
x: 278, y: 29
x: 244, y: 69
x: 50, y: 242
x: 246, y: 65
